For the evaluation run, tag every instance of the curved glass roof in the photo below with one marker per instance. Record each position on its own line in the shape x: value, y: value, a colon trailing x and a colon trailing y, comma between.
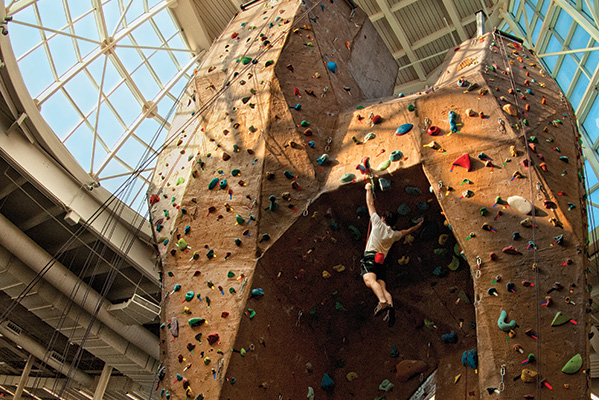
x: 565, y: 36
x: 106, y: 74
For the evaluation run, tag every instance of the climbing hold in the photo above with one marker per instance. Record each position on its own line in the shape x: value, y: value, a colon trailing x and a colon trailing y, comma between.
x: 451, y: 337
x: 269, y: 63
x: 573, y: 365
x: 223, y: 184
x: 326, y: 274
x: 239, y: 220
x: 332, y: 66
x: 503, y: 325
x: 560, y: 319
x: 433, y: 130
x: 322, y: 159
x: 289, y: 175
x: 386, y: 385
x: 528, y: 376
x: 511, y: 250
x: 395, y: 155
x: 520, y: 203
x: 182, y: 244
x: 384, y: 184
x: 510, y: 109
x: 369, y: 136
x: 443, y: 239
x: 384, y: 165
x: 403, y: 129
x: 189, y: 295
x: 351, y: 376
x: 355, y: 231
x: 454, y: 264
x: 349, y: 177
x: 462, y: 161
x: 394, y: 352
x: 246, y: 60
x: 376, y: 119
x: 413, y: 191
x: 327, y: 382
x: 403, y: 209
x: 470, y: 359
x: 212, y: 183
x: 193, y: 322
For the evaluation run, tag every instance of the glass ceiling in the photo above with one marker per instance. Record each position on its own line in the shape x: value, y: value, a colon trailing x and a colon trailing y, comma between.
x: 565, y: 36
x: 106, y: 74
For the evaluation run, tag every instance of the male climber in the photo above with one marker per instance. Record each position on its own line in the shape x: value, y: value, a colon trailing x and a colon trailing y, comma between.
x: 381, y: 238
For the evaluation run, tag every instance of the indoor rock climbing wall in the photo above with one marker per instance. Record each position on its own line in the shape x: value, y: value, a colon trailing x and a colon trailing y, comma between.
x: 258, y: 210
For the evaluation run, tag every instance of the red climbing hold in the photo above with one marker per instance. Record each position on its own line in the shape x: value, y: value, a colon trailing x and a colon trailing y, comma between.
x: 154, y: 199
x: 433, y: 130
x: 297, y: 92
x: 511, y: 250
x: 213, y: 338
x: 376, y: 119
x: 463, y: 161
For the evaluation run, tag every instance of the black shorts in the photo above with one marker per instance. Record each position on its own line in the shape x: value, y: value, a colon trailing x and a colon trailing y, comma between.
x: 368, y: 265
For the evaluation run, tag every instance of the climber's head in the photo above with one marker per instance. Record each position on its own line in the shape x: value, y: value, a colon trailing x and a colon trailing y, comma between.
x: 390, y: 218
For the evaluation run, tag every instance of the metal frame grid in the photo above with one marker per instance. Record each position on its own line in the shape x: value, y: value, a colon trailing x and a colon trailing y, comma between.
x: 114, y: 70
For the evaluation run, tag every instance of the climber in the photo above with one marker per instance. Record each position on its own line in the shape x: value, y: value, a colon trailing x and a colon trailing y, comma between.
x: 380, y: 239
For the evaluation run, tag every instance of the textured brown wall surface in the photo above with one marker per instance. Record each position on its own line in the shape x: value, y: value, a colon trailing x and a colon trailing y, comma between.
x: 305, y: 317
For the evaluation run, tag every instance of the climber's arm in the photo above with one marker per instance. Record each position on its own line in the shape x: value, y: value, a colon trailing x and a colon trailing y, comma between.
x: 369, y: 199
x: 411, y: 229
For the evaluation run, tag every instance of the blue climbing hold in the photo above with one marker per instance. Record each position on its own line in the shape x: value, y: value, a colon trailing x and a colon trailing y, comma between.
x: 451, y: 337
x: 258, y: 292
x: 413, y: 191
x: 212, y: 183
x: 362, y: 211
x: 322, y: 159
x: 396, y: 155
x: 403, y: 129
x: 453, y: 125
x: 332, y: 66
x: 223, y: 184
x: 384, y: 184
x: 422, y: 206
x: 403, y: 209
x: 297, y: 107
x: 503, y: 325
x: 470, y: 358
x: 327, y: 382
x: 401, y: 95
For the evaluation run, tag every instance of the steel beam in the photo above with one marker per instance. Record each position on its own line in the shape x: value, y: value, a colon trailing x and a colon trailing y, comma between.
x: 24, y: 378
x: 103, y: 382
x: 402, y: 37
x: 455, y: 19
x: 579, y: 18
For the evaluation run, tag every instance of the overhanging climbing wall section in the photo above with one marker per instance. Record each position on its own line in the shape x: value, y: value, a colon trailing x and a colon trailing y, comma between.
x: 312, y: 314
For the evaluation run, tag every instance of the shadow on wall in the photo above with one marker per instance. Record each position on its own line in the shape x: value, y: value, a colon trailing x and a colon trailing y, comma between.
x: 316, y: 316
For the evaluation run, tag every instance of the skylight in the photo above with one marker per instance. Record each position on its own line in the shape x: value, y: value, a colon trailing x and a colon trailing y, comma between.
x: 105, y: 74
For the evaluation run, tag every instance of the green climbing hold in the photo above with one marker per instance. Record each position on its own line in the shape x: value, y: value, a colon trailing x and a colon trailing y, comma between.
x: 560, y: 319
x: 339, y: 307
x: 440, y: 251
x: 369, y: 136
x: 193, y: 322
x: 251, y: 313
x: 180, y: 181
x: 403, y: 209
x: 411, y: 107
x: 212, y: 183
x: 384, y: 165
x: 239, y: 220
x: 232, y: 291
x: 386, y: 385
x: 235, y: 172
x: 230, y: 274
x: 182, y: 244
x: 245, y: 99
x: 573, y: 366
x: 252, y: 129
x: 414, y: 191
x: 288, y: 174
x: 355, y: 232
x: 246, y: 60
x: 269, y: 63
x: 347, y: 178
x: 237, y: 242
x: 484, y: 211
x: 304, y: 123
x: 223, y: 184
x: 189, y: 295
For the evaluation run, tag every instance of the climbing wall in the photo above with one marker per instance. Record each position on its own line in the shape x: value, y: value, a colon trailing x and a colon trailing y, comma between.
x: 258, y: 211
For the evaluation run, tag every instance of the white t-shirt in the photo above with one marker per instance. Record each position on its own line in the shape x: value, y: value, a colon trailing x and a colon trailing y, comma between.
x: 382, y: 236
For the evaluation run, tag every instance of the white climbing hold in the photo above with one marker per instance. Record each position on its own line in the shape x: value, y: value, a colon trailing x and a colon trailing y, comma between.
x: 520, y: 203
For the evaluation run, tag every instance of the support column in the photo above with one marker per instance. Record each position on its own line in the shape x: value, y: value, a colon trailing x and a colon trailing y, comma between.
x: 24, y: 377
x: 103, y: 382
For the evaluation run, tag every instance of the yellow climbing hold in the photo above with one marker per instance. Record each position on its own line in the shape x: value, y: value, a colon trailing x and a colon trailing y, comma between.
x: 454, y: 264
x: 409, y: 239
x: 351, y: 376
x: 326, y: 274
x: 339, y: 267
x: 404, y: 260
x: 457, y: 378
x: 443, y: 239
